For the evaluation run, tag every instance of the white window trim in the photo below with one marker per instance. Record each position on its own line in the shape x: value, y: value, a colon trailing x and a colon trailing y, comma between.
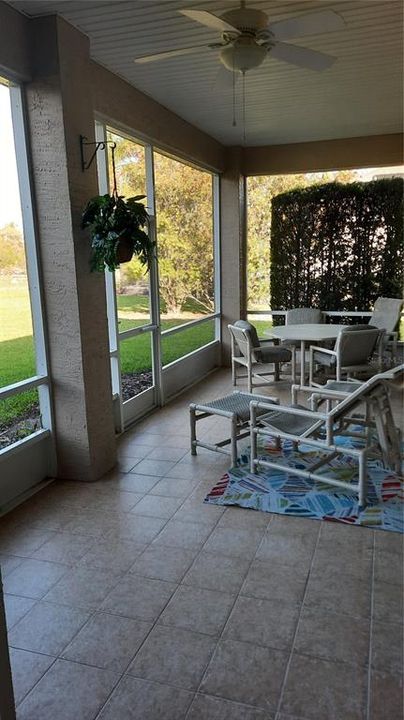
x: 41, y: 379
x: 154, y: 325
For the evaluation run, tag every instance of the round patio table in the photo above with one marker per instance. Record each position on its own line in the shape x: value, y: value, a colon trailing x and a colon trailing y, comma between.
x: 305, y: 333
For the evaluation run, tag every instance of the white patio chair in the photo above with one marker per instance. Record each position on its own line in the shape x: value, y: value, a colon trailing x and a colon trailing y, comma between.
x: 301, y: 316
x: 386, y: 316
x: 319, y: 430
x: 260, y: 359
x: 353, y: 349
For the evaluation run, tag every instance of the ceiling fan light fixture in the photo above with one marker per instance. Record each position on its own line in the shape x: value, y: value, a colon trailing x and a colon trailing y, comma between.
x: 242, y: 55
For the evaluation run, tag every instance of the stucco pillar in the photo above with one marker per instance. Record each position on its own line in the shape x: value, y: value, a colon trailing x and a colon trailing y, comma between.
x: 59, y: 110
x: 234, y: 244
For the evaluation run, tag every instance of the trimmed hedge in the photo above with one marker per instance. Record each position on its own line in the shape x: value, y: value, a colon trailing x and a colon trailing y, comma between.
x: 336, y: 246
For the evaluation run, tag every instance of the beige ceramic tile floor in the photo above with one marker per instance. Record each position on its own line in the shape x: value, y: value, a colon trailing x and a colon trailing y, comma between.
x: 129, y: 599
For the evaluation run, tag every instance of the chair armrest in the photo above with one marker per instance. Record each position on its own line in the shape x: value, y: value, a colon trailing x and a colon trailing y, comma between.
x: 312, y: 350
x: 316, y: 348
x: 318, y: 390
x: 287, y: 409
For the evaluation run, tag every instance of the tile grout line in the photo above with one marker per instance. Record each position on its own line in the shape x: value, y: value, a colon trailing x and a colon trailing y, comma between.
x: 56, y: 657
x: 17, y: 705
x: 125, y: 673
x: 369, y: 678
x: 209, y: 467
x: 287, y: 668
x: 77, y: 563
x: 91, y: 615
x: 228, y: 618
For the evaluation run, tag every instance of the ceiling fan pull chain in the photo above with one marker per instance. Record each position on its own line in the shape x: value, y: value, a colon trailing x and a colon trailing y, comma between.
x: 244, y: 110
x: 234, y: 123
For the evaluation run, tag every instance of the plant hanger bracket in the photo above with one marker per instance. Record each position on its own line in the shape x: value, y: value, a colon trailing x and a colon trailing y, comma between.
x: 101, y: 145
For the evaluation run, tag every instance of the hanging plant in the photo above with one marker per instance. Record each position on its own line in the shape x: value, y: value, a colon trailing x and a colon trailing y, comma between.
x: 119, y: 229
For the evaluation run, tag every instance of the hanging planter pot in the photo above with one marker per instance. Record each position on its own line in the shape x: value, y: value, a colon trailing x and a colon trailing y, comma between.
x: 124, y: 250
x: 119, y: 229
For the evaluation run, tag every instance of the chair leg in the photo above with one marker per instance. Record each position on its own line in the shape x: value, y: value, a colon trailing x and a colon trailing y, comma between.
x: 293, y: 350
x: 253, y: 442
x: 249, y: 378
x: 233, y: 372
x: 363, y: 490
x: 234, y: 440
x: 192, y: 418
x: 311, y: 372
x: 277, y: 374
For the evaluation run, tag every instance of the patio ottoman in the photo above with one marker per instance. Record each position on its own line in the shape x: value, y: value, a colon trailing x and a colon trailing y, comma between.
x: 236, y: 407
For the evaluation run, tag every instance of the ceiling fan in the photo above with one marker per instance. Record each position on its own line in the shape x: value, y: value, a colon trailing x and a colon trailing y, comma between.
x: 247, y: 38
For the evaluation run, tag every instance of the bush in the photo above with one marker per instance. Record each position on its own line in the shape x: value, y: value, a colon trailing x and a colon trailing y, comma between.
x: 337, y: 246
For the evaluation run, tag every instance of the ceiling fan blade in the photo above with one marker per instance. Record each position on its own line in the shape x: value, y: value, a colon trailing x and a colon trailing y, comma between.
x: 169, y: 53
x: 302, y: 57
x: 310, y: 24
x: 209, y: 20
x: 224, y: 80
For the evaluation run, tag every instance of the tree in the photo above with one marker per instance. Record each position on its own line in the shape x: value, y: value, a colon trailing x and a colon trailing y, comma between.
x: 12, y: 253
x: 184, y: 224
x: 184, y: 233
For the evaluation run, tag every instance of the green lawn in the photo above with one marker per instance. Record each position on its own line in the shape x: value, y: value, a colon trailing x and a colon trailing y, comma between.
x: 140, y: 304
x: 17, y: 358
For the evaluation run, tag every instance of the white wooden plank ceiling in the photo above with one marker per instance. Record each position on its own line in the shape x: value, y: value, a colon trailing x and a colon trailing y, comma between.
x: 362, y: 94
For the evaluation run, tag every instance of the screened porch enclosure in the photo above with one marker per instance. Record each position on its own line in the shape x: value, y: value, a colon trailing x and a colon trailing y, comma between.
x: 159, y: 319
x: 85, y: 356
x: 146, y: 574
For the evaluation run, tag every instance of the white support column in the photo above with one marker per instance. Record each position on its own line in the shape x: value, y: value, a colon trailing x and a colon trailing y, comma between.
x: 217, y: 235
x: 233, y: 222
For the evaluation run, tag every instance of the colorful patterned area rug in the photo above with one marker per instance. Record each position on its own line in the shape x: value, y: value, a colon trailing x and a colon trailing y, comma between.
x: 286, y: 494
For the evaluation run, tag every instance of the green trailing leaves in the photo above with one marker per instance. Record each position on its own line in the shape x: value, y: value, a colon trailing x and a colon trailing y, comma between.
x: 337, y: 246
x: 112, y: 219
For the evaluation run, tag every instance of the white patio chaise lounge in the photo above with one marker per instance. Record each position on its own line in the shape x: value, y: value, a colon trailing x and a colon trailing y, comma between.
x: 319, y: 430
x: 234, y: 407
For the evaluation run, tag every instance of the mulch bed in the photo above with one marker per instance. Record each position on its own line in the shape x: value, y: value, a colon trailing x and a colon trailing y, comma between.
x: 20, y: 427
x: 26, y: 423
x: 135, y: 383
